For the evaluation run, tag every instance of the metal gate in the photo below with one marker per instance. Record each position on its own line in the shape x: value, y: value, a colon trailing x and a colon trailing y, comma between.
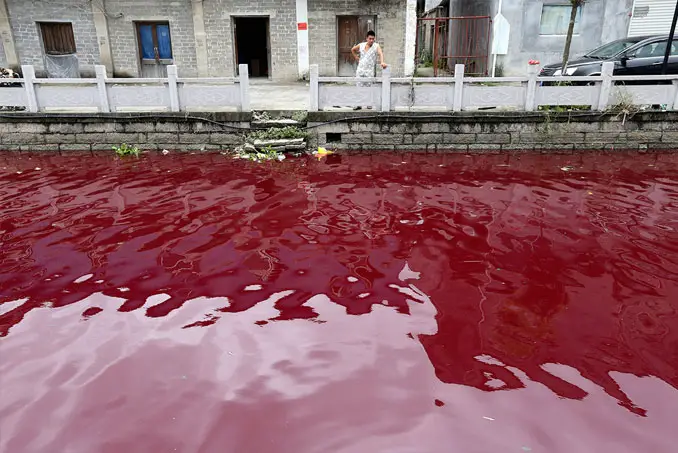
x: 443, y: 42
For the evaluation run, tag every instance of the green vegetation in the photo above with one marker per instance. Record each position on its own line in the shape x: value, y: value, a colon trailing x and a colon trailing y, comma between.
x: 300, y: 116
x: 277, y: 133
x: 425, y: 59
x: 126, y: 150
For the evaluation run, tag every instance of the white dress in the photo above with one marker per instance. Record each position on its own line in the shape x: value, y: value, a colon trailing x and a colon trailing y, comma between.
x: 368, y: 62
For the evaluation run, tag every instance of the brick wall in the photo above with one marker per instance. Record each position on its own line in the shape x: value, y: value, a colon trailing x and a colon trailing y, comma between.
x: 123, y: 35
x: 283, y: 34
x: 24, y: 15
x: 390, y: 30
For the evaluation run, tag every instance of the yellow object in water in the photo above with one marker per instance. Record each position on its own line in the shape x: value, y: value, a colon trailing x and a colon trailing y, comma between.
x: 322, y: 152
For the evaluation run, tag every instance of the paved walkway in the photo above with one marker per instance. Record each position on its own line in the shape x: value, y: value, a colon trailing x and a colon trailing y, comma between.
x: 267, y: 95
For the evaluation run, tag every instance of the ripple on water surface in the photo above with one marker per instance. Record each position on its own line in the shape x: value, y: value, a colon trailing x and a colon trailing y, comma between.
x: 384, y: 303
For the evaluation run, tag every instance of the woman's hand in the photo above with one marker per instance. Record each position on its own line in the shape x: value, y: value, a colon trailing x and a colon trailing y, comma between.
x: 384, y: 65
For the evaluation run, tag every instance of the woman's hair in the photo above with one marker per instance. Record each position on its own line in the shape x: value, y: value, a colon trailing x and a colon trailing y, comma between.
x: 371, y: 33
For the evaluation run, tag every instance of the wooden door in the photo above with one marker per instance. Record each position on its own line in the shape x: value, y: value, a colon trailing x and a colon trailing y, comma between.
x: 351, y: 30
x: 155, y: 49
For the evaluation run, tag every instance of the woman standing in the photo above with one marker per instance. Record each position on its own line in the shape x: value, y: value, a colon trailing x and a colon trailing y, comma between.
x: 366, y: 54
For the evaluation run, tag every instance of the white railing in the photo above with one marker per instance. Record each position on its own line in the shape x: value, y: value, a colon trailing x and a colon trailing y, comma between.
x: 103, y: 94
x: 385, y: 94
x: 460, y: 93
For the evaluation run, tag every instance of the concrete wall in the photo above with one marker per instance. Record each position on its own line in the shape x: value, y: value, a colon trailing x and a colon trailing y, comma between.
x: 390, y: 30
x: 3, y: 60
x: 283, y: 35
x: 123, y: 35
x: 23, y: 15
x: 602, y: 21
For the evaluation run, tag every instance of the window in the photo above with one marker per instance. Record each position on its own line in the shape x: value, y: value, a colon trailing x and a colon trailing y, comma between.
x: 612, y: 49
x: 155, y: 42
x: 57, y: 38
x: 655, y: 50
x: 555, y: 20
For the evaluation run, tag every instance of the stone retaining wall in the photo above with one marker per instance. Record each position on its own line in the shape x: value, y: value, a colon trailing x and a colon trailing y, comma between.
x: 176, y: 132
x: 514, y: 131
x: 467, y: 132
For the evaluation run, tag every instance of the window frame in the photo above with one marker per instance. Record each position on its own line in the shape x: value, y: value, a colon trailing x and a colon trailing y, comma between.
x: 577, y: 24
x: 49, y: 37
x: 154, y: 24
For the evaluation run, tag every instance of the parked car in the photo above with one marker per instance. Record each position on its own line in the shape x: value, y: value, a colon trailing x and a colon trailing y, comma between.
x: 632, y: 56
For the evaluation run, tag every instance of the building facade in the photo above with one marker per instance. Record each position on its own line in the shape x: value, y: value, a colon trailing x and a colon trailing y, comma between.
x: 538, y: 28
x: 278, y: 39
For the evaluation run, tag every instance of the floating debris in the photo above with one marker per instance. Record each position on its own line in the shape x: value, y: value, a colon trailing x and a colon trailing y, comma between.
x: 84, y: 278
x: 322, y: 152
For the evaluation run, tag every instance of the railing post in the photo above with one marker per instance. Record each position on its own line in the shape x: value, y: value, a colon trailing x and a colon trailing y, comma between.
x: 675, y: 101
x: 173, y: 87
x: 605, y: 86
x: 386, y: 90
x: 458, y: 103
x: 101, y: 87
x: 313, y: 98
x: 531, y: 95
x: 244, y: 77
x: 29, y: 77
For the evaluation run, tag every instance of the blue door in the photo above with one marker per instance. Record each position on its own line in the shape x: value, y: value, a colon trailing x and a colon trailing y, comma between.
x: 155, y: 48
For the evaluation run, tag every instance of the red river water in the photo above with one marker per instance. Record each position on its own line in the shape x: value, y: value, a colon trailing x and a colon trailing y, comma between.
x: 381, y: 303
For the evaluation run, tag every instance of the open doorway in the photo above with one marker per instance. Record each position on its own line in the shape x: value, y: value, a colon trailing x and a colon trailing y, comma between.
x: 252, y: 45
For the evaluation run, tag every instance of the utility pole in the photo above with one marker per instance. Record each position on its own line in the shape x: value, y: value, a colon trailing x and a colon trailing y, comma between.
x: 669, y: 43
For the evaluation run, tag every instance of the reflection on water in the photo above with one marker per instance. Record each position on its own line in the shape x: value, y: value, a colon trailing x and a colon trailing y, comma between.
x: 385, y: 303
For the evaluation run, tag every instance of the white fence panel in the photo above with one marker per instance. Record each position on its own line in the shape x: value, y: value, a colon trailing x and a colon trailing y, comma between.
x: 203, y: 96
x: 568, y: 95
x: 415, y: 96
x: 13, y: 96
x: 643, y: 94
x: 67, y: 97
x: 341, y: 95
x: 135, y: 98
x: 477, y: 96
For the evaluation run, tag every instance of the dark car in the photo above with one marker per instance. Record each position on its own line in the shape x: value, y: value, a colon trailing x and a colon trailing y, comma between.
x: 642, y: 55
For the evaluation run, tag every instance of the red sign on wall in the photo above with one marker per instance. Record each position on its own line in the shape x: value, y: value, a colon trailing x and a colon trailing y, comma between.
x: 302, y: 26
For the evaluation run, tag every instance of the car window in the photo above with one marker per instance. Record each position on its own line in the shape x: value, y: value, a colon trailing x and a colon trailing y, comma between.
x: 655, y: 49
x: 611, y: 49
